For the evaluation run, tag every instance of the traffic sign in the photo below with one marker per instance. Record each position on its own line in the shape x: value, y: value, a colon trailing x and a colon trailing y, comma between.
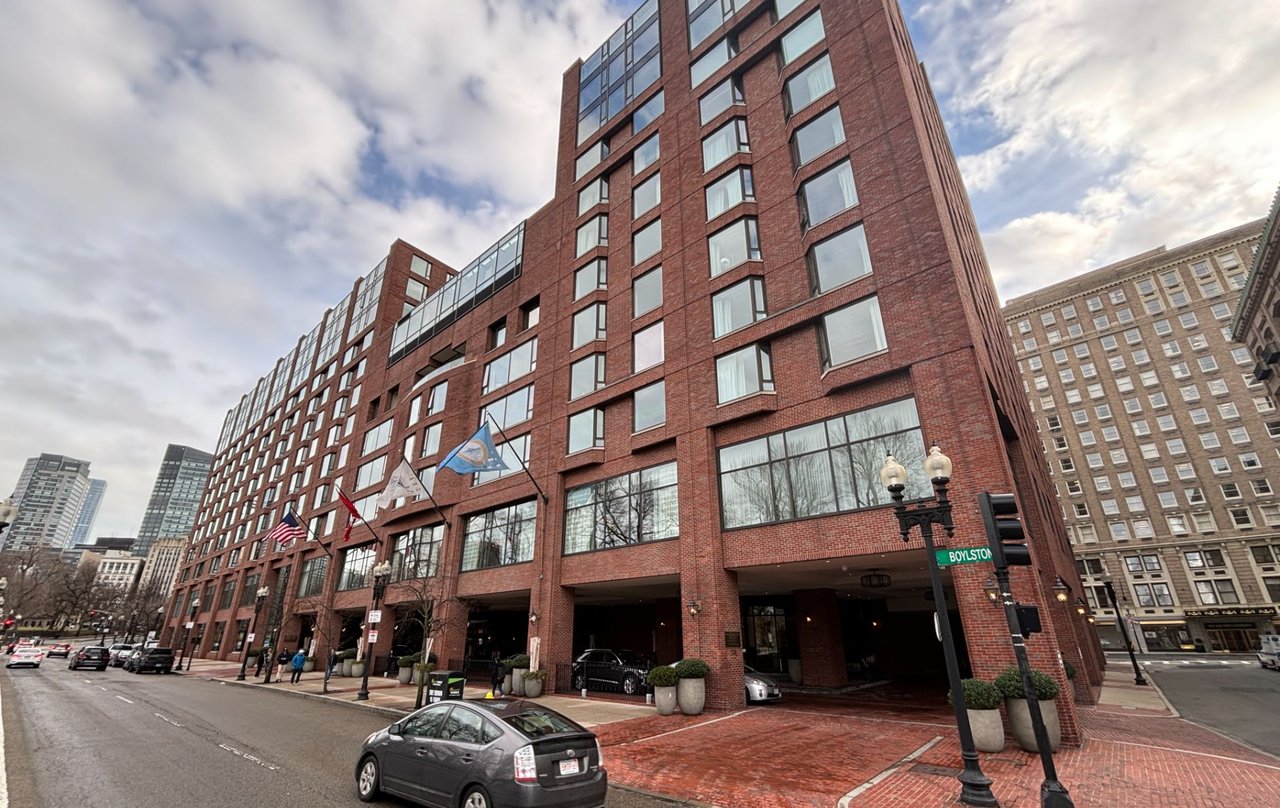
x: 375, y: 616
x: 250, y: 637
x: 962, y: 555
x: 373, y: 636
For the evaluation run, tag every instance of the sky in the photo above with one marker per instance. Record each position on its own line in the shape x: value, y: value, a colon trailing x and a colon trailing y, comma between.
x: 185, y: 187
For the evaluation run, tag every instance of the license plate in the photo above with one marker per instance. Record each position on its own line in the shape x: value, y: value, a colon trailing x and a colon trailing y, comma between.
x: 570, y: 766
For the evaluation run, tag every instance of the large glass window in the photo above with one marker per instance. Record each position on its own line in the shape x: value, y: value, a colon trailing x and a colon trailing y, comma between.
x: 725, y: 94
x: 647, y: 242
x: 725, y: 142
x: 417, y: 553
x: 586, y: 430
x: 648, y: 348
x: 837, y: 260
x: 809, y: 85
x: 515, y: 453
x: 371, y: 473
x: 732, y: 189
x: 645, y: 155
x: 852, y: 332
x: 740, y: 305
x: 621, y: 511
x: 704, y: 23
x: 734, y: 245
x: 588, y: 325
x: 743, y: 372
x: 646, y: 196
x: 646, y: 292
x: 514, y: 364
x: 586, y: 375
x: 310, y: 577
x: 590, y: 278
x: 591, y: 158
x: 648, y: 112
x: 356, y: 564
x: 816, y: 137
x: 805, y: 35
x: 827, y: 194
x: 510, y: 410
x: 594, y: 194
x: 650, y: 406
x: 827, y: 467
x: 594, y: 233
x: 499, y: 537
x: 711, y: 61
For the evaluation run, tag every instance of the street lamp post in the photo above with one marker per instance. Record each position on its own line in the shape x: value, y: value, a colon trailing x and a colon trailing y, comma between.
x: 381, y: 572
x: 185, y: 630
x: 155, y: 631
x: 975, y: 787
x: 261, y: 598
x: 1124, y: 632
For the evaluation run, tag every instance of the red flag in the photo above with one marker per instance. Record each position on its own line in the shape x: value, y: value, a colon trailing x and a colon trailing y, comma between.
x: 352, y: 513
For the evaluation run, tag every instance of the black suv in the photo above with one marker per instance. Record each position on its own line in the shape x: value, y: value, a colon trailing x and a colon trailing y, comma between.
x: 155, y: 659
x: 617, y: 671
x: 89, y: 656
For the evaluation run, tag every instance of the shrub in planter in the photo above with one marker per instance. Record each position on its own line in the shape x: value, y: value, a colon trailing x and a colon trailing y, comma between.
x: 405, y: 664
x: 309, y: 664
x: 348, y: 661
x: 518, y: 667
x: 1046, y: 689
x: 533, y: 683
x: 420, y: 671
x: 663, y: 679
x: 691, y: 691
x: 1069, y: 668
x: 982, y: 703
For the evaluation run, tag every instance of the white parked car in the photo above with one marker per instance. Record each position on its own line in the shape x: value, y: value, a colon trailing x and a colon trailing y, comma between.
x: 1269, y: 652
x: 29, y: 657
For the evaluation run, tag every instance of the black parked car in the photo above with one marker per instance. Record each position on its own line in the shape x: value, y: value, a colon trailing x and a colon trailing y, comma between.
x: 89, y: 656
x: 603, y: 669
x: 484, y: 752
x: 155, y: 659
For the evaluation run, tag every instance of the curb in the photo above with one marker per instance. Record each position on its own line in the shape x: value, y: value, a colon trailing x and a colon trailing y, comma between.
x: 388, y: 711
x: 653, y: 795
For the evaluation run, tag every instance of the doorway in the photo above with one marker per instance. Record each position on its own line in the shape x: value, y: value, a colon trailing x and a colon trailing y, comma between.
x: 1236, y: 639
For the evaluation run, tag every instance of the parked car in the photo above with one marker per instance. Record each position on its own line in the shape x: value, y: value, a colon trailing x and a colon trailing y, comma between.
x: 759, y: 686
x: 155, y: 659
x: 94, y: 657
x: 605, y: 669
x: 481, y: 753
x: 119, y: 653
x: 61, y: 649
x: 1269, y: 652
x: 25, y: 657
x: 25, y: 642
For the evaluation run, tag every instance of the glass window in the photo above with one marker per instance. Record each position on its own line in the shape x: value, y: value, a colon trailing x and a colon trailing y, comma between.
x: 805, y: 35
x: 377, y: 437
x: 649, y: 406
x: 589, y: 278
x: 837, y: 260
x: 511, y: 409
x: 586, y: 375
x: 646, y: 292
x: 431, y: 440
x: 648, y: 112
x: 648, y: 348
x: 594, y: 233
x: 711, y: 61
x: 827, y: 194
x: 809, y: 85
x: 515, y: 453
x: 728, y: 140
x: 645, y: 155
x: 596, y: 192
x: 591, y: 158
x: 734, y: 245
x: 586, y: 430
x: 356, y: 563
x: 621, y: 511
x: 743, y: 372
x: 646, y: 242
x: 817, y: 137
x: 516, y: 363
x: 589, y: 324
x: 705, y: 23
x: 499, y: 537
x: 732, y: 189
x: 371, y: 473
x: 417, y: 553
x: 852, y: 332
x: 737, y: 306
x: 646, y: 196
x: 725, y: 95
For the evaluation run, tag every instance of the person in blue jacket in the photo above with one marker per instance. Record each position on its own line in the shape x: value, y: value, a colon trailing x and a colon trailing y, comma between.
x: 296, y: 664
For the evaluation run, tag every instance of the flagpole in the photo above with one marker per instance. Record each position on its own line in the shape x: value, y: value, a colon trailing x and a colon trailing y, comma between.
x: 434, y: 504
x: 523, y: 467
x: 307, y: 528
x: 377, y: 539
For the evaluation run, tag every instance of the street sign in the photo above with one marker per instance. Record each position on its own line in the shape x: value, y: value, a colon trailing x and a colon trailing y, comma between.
x: 250, y: 637
x: 375, y: 616
x: 190, y: 625
x: 962, y: 555
x: 373, y: 636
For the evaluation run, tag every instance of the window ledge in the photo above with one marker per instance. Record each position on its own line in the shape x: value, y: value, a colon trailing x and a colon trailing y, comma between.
x: 583, y: 457
x: 764, y: 401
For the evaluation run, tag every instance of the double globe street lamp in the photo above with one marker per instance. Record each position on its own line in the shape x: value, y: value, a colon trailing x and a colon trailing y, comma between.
x: 260, y: 598
x: 186, y: 628
x: 381, y: 572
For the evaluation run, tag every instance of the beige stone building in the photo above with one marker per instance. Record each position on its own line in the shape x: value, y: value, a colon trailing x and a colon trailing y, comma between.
x: 1161, y: 442
x: 1257, y: 320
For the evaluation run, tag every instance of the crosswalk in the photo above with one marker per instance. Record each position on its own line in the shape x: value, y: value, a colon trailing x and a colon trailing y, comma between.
x: 1151, y: 662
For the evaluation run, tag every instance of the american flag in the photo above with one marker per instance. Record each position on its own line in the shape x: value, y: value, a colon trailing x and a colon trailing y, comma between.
x: 287, y: 532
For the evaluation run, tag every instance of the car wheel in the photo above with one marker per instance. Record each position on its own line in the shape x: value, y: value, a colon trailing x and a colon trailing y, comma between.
x: 629, y: 685
x: 367, y: 781
x: 579, y: 682
x: 476, y: 797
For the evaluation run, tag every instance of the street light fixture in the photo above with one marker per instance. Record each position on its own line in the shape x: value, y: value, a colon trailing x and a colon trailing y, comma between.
x: 1081, y: 609
x: 1124, y: 632
x: 1060, y: 589
x: 259, y: 599
x: 381, y: 572
x: 975, y: 787
x: 185, y: 631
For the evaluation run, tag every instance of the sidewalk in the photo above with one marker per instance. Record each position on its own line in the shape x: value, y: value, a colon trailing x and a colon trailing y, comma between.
x: 868, y: 749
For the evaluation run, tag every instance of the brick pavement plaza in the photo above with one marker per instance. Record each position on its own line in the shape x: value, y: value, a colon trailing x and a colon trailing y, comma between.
x: 816, y: 750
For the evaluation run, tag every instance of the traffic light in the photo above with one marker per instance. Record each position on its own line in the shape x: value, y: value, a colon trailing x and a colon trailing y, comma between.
x: 1004, y: 530
x: 8, y: 622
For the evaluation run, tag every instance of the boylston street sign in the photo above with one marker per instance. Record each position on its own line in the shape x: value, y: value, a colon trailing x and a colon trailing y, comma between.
x: 962, y: 555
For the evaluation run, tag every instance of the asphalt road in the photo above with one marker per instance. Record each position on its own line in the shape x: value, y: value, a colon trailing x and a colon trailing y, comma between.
x: 116, y: 740
x: 1240, y: 701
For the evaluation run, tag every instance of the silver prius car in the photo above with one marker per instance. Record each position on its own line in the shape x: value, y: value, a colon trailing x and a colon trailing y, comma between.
x: 482, y: 753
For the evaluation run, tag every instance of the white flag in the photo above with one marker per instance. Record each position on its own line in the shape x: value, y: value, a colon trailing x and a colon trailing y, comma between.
x: 403, y: 483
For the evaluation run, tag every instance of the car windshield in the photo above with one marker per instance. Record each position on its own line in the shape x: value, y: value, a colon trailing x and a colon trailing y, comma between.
x: 630, y: 658
x: 538, y: 723
x: 160, y: 651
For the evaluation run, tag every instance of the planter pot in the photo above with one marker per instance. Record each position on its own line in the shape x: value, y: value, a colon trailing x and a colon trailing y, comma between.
x: 692, y: 695
x: 665, y: 699
x: 347, y: 665
x: 308, y: 666
x: 251, y: 663
x: 793, y: 670
x: 988, y: 730
x: 517, y: 681
x: 532, y: 688
x: 506, y: 685
x: 1020, y: 723
x: 405, y: 675
x: 357, y: 669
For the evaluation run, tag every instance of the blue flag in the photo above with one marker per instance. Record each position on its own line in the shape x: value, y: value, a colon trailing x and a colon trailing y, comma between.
x: 476, y: 454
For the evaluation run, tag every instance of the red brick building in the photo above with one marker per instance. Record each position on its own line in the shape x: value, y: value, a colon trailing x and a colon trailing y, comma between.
x: 759, y: 274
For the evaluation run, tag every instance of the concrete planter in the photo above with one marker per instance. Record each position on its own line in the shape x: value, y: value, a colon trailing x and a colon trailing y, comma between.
x: 692, y: 695
x: 405, y: 675
x: 793, y: 670
x: 665, y: 699
x: 346, y: 666
x: 1020, y: 723
x: 532, y: 688
x: 988, y: 729
x: 517, y: 681
x: 308, y: 666
x: 357, y: 669
x: 506, y: 684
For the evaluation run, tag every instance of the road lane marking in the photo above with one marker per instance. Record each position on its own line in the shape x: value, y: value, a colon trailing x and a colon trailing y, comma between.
x: 100, y: 687
x: 249, y: 757
x: 848, y: 798
x: 166, y: 719
x: 122, y: 698
x: 88, y: 681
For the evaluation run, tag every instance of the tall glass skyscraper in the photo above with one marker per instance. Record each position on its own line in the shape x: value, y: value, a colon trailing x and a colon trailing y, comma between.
x: 175, y: 498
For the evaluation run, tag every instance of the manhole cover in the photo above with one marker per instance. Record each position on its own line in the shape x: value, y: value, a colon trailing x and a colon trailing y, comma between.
x: 929, y: 768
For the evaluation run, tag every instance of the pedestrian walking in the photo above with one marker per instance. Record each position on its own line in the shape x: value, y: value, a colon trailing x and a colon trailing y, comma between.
x: 299, y: 659
x: 498, y: 677
x: 281, y: 661
x: 333, y: 663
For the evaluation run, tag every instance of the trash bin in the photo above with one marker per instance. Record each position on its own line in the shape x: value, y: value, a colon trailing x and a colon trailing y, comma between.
x: 442, y: 685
